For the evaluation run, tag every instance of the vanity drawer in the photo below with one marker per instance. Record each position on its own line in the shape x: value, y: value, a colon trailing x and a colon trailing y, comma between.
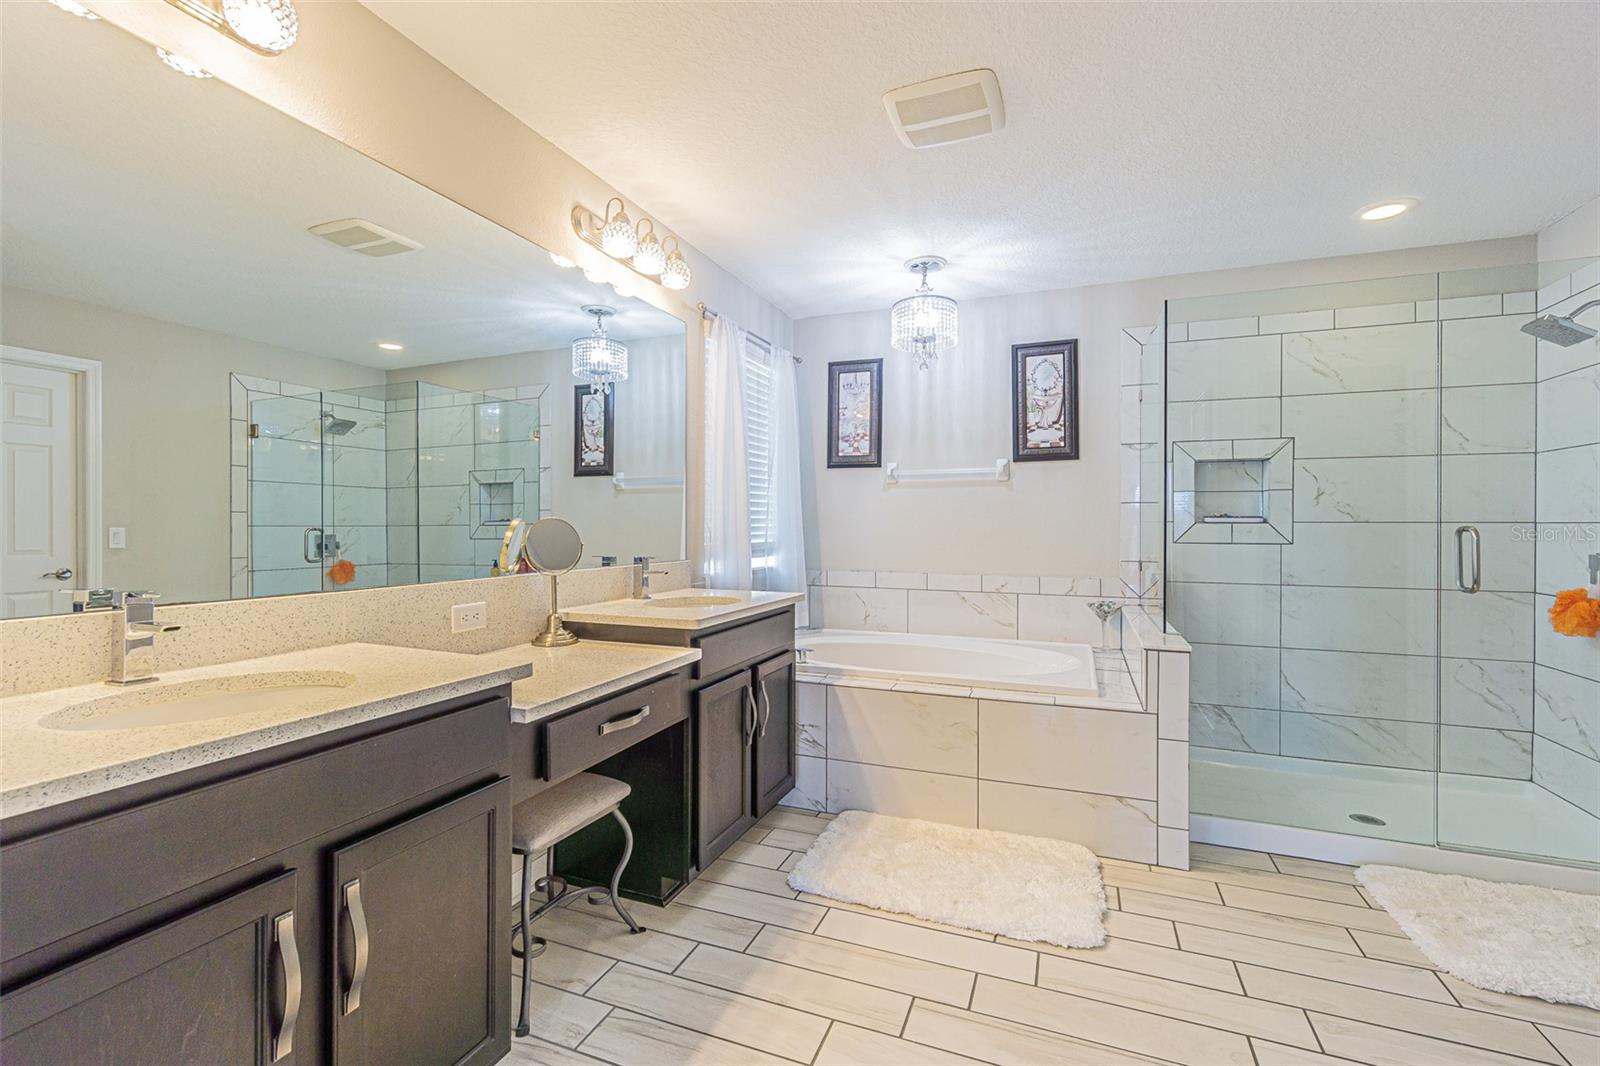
x: 744, y: 643
x: 576, y: 741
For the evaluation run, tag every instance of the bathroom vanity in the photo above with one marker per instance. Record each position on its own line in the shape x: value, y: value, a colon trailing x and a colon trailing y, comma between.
x: 327, y: 881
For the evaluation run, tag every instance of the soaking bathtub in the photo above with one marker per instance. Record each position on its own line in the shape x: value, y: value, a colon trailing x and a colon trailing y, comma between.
x: 1025, y: 666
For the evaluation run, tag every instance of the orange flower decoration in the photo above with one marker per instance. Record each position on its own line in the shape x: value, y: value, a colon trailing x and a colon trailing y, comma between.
x: 342, y: 572
x: 1574, y: 614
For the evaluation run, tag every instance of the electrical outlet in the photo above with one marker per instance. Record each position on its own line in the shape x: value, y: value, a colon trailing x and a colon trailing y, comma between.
x: 468, y: 616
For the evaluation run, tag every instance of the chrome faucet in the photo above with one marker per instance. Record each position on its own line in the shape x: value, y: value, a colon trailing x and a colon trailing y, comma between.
x: 641, y: 564
x: 136, y: 650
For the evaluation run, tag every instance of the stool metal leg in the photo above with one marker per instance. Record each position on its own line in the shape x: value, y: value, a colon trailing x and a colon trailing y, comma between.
x: 616, y: 875
x: 527, y: 948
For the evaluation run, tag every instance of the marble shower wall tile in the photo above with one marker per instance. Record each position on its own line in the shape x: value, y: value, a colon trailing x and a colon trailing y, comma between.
x: 1567, y: 710
x: 1359, y: 684
x: 1371, y: 741
x: 1213, y: 725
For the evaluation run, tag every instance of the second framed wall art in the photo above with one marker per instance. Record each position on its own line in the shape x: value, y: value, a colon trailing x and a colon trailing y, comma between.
x: 1044, y: 401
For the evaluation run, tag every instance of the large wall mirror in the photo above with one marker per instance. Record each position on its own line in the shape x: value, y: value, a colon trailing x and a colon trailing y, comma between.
x: 212, y: 393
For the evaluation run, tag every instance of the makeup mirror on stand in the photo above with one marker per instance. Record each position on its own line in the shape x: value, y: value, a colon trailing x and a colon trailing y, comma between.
x: 554, y: 547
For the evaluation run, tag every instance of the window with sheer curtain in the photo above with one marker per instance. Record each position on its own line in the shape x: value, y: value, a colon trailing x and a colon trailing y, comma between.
x: 758, y: 427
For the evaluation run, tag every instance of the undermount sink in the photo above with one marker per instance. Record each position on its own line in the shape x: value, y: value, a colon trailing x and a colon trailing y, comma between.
x: 197, y: 701
x: 693, y: 601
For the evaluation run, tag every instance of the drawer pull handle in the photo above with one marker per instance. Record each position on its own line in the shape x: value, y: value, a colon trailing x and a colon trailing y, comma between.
x: 627, y: 721
x: 289, y: 952
x: 358, y: 924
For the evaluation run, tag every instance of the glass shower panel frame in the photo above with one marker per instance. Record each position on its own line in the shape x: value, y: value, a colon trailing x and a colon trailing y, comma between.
x: 285, y: 508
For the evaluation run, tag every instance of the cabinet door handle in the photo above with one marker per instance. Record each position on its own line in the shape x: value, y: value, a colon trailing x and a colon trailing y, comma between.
x: 289, y: 952
x: 766, y: 704
x: 747, y: 704
x: 358, y: 925
x: 627, y: 721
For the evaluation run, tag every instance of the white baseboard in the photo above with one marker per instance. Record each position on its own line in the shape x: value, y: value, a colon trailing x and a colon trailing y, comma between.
x: 1355, y: 850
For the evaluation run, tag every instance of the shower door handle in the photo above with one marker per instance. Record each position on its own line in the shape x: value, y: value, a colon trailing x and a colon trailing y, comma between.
x: 311, y: 549
x: 1475, y: 582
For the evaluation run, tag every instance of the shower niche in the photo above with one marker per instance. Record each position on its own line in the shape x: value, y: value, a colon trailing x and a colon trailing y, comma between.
x: 1233, y: 491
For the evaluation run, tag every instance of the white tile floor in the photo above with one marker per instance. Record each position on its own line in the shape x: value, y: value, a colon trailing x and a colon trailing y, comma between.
x: 1249, y: 958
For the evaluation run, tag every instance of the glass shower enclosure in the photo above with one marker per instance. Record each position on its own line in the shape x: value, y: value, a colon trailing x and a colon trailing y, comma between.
x: 1373, y: 492
x: 388, y: 484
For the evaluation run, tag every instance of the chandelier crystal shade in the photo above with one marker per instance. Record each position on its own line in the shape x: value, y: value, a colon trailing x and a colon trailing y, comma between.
x: 924, y: 324
x: 596, y: 358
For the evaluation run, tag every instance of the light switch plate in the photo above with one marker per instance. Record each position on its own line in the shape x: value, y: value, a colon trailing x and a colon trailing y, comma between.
x: 465, y: 617
x: 116, y: 537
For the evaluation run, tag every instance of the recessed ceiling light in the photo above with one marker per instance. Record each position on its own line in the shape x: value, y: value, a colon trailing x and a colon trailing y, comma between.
x: 1386, y: 209
x: 183, y: 64
x: 391, y: 346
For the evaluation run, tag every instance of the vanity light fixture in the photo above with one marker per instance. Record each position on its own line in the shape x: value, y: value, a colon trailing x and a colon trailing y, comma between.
x: 618, y: 238
x: 266, y: 27
x: 1387, y: 209
x: 597, y: 359
x: 183, y: 64
x: 641, y: 247
x: 72, y: 7
x: 924, y: 324
x: 562, y: 261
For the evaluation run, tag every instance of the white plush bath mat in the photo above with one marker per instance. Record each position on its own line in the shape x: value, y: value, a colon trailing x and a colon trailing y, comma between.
x: 1521, y: 939
x: 1030, y: 888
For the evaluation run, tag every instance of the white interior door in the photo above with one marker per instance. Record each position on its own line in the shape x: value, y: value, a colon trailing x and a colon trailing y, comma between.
x: 39, y: 460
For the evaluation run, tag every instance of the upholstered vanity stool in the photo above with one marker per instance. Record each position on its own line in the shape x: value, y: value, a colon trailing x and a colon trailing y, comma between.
x: 538, y: 825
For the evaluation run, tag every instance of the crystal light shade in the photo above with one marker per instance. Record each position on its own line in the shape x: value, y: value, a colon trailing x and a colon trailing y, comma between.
x: 183, y: 64
x: 618, y: 238
x: 925, y: 324
x: 675, y: 274
x: 649, y: 259
x: 270, y: 24
x: 597, y: 359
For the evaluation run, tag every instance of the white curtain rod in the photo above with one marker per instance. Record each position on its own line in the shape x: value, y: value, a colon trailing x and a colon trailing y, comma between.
x: 708, y: 314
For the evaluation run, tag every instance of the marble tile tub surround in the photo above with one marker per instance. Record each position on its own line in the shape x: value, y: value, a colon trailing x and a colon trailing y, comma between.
x: 1111, y: 773
x: 65, y: 650
x: 1324, y: 647
x: 996, y: 606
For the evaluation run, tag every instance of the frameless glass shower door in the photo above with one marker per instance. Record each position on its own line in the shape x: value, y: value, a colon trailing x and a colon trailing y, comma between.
x: 1374, y: 490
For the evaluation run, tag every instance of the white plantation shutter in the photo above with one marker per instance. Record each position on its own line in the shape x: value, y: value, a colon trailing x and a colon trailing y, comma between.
x: 758, y: 425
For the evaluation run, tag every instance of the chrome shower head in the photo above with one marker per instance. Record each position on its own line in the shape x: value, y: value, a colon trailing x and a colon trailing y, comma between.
x: 1562, y: 329
x: 335, y: 426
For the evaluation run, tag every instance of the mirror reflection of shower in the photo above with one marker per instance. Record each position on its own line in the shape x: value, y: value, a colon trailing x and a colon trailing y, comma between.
x: 334, y: 426
x: 1564, y: 330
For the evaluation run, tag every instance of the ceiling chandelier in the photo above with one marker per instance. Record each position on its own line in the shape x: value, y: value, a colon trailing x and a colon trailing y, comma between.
x: 924, y: 324
x: 597, y: 359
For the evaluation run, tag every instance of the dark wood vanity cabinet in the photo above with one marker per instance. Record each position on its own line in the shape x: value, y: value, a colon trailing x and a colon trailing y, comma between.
x: 742, y: 719
x: 336, y: 899
x: 220, y: 983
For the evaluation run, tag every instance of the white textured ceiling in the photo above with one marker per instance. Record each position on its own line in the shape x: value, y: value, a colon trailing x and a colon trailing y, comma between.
x: 1143, y: 139
x: 129, y: 186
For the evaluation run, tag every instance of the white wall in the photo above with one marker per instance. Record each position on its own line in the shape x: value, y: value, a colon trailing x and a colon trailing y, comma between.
x: 165, y: 424
x: 1055, y: 518
x: 651, y: 438
x: 1575, y: 236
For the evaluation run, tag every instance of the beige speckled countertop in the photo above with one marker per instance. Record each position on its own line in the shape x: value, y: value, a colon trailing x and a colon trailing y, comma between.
x: 569, y: 677
x: 653, y: 614
x: 41, y: 766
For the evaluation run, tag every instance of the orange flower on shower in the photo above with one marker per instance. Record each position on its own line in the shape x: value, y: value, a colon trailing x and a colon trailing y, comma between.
x: 342, y: 572
x: 1574, y: 614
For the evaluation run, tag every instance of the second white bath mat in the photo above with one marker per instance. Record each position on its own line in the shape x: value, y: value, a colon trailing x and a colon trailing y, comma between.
x: 1029, y: 888
x: 1521, y: 939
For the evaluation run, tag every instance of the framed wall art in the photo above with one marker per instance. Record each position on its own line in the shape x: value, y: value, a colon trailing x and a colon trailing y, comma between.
x: 593, y: 418
x: 1044, y: 401
x: 855, y: 413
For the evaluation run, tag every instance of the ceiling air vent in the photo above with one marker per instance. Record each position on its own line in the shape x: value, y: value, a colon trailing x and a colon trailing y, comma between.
x: 956, y: 107
x: 368, y: 238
